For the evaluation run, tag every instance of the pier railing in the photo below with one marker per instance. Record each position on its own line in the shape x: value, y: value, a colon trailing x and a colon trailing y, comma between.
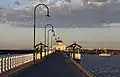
x: 8, y: 62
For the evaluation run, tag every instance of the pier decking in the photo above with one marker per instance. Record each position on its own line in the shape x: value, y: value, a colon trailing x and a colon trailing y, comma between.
x: 56, y: 65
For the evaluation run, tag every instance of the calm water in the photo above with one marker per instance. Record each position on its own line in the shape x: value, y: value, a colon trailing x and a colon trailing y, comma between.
x: 102, y: 66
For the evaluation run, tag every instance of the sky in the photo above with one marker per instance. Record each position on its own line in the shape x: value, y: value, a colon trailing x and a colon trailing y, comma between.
x: 92, y: 23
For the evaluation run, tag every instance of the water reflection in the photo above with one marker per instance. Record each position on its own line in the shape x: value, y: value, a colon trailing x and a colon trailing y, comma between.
x: 102, y: 66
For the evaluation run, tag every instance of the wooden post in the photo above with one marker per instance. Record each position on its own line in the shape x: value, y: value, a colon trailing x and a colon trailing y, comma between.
x: 73, y: 52
x: 41, y: 52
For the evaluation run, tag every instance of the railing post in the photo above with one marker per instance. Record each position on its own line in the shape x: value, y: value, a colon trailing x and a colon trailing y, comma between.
x: 2, y: 64
x: 12, y: 62
x: 7, y: 62
x: 16, y: 60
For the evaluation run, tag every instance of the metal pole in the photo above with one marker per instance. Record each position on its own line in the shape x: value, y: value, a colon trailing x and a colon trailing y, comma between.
x: 51, y: 41
x: 48, y: 41
x: 35, y: 26
x: 48, y: 37
x: 41, y: 52
x: 45, y: 34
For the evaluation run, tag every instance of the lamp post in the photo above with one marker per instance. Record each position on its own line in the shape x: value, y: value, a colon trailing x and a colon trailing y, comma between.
x: 48, y: 37
x: 45, y: 34
x: 47, y: 15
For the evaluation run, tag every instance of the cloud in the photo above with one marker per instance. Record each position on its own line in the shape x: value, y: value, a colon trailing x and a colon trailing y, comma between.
x: 77, y: 13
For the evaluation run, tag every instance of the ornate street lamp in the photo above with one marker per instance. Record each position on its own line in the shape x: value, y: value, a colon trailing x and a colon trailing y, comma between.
x: 45, y: 34
x: 47, y: 15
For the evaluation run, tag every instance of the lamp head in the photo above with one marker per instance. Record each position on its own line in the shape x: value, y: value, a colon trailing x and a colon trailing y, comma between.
x: 54, y: 34
x: 52, y: 30
x: 47, y: 16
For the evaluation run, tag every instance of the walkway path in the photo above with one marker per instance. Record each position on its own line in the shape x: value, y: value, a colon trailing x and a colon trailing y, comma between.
x: 56, y: 65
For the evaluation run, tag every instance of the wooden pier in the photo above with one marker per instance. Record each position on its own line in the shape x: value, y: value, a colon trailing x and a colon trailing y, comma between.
x: 56, y: 64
